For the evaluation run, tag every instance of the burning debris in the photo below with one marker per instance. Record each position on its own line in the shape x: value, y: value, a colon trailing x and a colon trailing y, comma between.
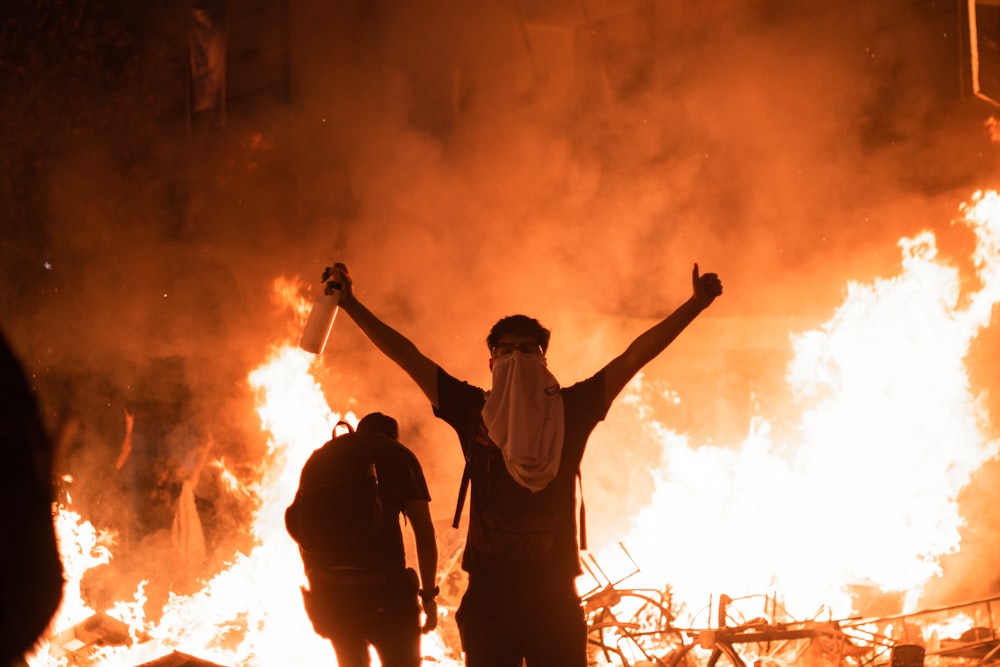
x: 81, y: 642
x: 883, y: 383
x: 642, y: 627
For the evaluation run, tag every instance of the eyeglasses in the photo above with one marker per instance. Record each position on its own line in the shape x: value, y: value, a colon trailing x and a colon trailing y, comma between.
x: 505, y: 349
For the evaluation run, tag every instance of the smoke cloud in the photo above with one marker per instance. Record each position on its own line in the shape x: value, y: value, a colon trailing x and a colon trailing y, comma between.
x: 566, y: 160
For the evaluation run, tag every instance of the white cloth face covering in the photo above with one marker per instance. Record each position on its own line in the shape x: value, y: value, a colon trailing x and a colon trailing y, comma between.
x: 524, y: 416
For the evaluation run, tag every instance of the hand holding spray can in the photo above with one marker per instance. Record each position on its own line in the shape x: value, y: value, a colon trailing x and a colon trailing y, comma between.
x: 321, y: 317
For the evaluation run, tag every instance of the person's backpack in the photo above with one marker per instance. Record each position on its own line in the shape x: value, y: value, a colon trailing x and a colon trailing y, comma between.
x: 338, y: 511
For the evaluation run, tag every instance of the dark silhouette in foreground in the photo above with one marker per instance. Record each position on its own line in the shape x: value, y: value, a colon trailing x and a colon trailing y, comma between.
x: 31, y: 583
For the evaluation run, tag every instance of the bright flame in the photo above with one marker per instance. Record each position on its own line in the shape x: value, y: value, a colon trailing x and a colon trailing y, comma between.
x: 868, y: 494
x: 889, y: 436
x: 252, y: 613
x: 81, y: 548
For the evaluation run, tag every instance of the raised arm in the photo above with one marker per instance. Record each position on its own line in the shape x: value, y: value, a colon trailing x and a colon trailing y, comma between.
x: 419, y: 514
x: 393, y: 344
x: 654, y: 340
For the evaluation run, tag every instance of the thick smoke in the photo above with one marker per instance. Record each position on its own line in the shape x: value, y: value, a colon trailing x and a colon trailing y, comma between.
x: 566, y: 160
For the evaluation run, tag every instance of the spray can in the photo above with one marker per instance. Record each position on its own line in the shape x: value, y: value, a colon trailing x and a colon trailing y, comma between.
x: 321, y: 317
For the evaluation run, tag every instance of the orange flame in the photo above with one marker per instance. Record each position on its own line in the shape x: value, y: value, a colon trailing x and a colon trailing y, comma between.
x: 252, y: 613
x: 889, y: 435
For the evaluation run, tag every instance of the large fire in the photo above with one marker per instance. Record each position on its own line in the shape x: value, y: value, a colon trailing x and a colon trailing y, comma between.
x: 888, y: 436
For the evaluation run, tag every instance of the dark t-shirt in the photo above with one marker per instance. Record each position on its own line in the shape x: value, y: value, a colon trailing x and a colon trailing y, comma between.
x: 400, y: 478
x: 514, y: 532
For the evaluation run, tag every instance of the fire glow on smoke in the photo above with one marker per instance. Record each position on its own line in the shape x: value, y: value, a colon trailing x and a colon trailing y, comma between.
x: 888, y: 436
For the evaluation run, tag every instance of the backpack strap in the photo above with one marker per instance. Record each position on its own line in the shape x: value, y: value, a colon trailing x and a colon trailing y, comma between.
x: 350, y: 429
x: 462, y: 491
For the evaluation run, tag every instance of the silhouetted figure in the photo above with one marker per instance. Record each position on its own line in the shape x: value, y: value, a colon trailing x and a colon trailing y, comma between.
x: 523, y: 442
x: 31, y: 583
x: 360, y: 591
